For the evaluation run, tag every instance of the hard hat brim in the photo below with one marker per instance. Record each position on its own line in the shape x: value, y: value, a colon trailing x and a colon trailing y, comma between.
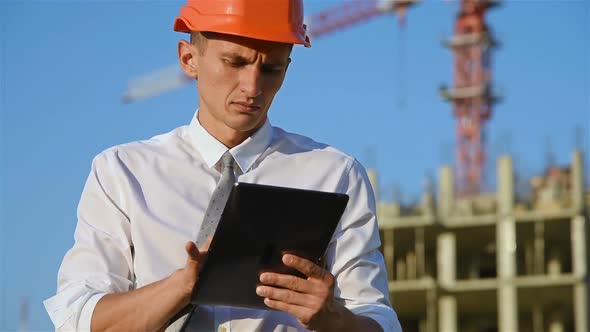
x: 235, y: 26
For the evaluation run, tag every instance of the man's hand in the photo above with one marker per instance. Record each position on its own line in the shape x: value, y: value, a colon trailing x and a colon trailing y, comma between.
x: 189, y: 274
x: 135, y: 310
x: 309, y: 300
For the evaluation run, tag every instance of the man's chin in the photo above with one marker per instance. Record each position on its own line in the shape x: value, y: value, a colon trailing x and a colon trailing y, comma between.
x: 247, y: 124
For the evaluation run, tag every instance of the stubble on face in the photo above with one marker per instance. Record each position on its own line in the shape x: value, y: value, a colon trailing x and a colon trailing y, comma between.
x: 237, y: 81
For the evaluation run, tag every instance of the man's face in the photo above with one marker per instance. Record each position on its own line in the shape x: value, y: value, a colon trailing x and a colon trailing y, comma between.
x: 237, y: 80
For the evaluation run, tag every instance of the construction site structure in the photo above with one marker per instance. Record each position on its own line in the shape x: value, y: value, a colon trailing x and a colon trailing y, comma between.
x: 471, y: 93
x: 493, y: 261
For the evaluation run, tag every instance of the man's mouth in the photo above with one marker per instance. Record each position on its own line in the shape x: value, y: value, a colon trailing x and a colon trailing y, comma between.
x: 246, y: 107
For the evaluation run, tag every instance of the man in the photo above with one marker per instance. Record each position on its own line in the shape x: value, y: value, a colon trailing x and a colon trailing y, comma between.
x: 128, y: 269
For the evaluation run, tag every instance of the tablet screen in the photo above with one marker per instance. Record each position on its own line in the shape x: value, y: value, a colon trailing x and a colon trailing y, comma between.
x: 259, y: 224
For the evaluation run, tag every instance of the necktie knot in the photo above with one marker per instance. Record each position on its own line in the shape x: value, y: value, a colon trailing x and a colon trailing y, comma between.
x: 227, y: 161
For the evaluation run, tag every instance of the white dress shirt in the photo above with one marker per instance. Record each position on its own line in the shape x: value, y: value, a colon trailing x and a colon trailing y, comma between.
x: 144, y: 200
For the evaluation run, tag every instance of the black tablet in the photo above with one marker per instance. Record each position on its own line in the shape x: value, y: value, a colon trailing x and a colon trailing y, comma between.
x: 259, y: 224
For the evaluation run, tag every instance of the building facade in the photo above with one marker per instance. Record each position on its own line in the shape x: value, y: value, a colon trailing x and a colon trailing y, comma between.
x: 493, y: 261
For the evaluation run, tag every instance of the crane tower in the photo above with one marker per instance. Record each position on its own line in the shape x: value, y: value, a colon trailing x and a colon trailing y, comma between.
x: 471, y: 94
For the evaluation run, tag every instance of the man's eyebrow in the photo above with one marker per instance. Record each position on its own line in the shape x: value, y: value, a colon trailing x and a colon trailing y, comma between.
x: 233, y: 56
x: 239, y: 58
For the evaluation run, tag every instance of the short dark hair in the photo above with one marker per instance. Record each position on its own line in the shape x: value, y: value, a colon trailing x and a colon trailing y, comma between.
x: 199, y: 39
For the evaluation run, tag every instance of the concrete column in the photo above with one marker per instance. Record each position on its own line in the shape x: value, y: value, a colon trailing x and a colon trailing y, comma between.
x: 400, y: 269
x: 506, y: 248
x: 447, y: 313
x: 581, y: 310
x: 577, y: 182
x: 579, y: 259
x: 529, y: 255
x: 554, y: 262
x: 411, y: 265
x: 507, y: 309
x: 446, y: 259
x: 446, y: 268
x: 431, y: 310
x: 420, y: 252
x: 446, y: 192
x: 372, y: 173
x: 578, y: 237
x: 539, y: 245
x: 427, y: 200
x: 556, y: 321
x: 505, y: 179
x: 537, y: 315
x: 388, y: 251
x: 422, y: 325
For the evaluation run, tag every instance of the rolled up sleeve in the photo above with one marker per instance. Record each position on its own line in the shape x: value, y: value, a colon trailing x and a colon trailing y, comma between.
x: 100, y: 262
x: 354, y: 257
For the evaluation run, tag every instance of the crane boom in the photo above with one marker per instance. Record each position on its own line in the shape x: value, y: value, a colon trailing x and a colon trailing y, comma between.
x: 343, y: 16
x: 155, y: 83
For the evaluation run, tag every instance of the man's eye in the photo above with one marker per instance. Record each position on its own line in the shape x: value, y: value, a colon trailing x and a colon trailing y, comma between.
x: 235, y: 64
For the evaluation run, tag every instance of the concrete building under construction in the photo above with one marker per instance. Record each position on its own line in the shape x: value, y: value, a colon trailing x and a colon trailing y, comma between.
x: 491, y: 261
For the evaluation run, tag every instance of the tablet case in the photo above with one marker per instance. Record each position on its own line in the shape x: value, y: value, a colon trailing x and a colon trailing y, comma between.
x: 259, y: 224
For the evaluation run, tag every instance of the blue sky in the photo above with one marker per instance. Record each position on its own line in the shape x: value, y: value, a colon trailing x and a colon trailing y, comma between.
x: 64, y: 66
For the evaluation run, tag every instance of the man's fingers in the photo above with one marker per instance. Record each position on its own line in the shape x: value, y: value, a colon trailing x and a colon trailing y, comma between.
x: 306, y: 299
x: 192, y: 251
x: 304, y: 266
x: 289, y: 282
x: 287, y: 296
x: 304, y: 315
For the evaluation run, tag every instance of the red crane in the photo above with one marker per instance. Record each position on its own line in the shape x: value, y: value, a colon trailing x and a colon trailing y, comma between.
x: 471, y: 94
x: 329, y: 20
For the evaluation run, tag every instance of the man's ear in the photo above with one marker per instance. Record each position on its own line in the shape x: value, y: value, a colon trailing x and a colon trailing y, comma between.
x: 187, y: 57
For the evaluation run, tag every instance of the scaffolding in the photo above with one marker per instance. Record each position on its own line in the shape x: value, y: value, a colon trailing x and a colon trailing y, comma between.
x: 490, y: 262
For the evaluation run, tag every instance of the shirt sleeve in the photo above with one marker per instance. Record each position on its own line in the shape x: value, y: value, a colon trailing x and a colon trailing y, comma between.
x: 354, y: 257
x: 100, y: 262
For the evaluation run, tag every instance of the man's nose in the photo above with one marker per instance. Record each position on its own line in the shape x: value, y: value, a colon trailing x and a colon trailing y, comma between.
x: 251, y: 81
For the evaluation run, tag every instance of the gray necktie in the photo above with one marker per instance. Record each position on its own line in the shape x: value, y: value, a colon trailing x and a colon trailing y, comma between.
x: 218, y: 199
x: 212, y: 216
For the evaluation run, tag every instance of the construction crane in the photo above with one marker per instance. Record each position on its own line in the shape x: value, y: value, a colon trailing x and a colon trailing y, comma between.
x: 471, y: 95
x: 325, y: 22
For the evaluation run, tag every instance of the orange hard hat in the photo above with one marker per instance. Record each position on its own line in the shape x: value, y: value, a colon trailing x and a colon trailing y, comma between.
x: 272, y: 20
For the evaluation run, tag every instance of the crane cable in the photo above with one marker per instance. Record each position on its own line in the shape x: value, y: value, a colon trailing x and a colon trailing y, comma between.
x: 401, y: 79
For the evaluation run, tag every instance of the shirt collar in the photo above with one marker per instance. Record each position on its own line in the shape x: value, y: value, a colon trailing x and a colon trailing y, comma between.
x: 244, y: 154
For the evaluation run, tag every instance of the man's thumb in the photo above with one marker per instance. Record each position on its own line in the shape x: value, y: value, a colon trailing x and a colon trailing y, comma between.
x: 192, y: 251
